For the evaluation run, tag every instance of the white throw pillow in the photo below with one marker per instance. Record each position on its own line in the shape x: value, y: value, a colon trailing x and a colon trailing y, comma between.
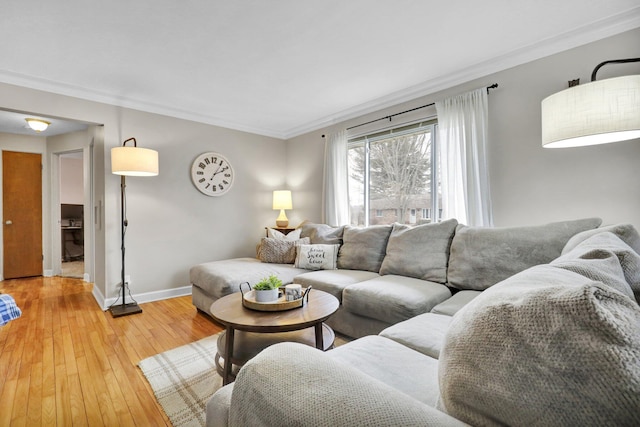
x: 317, y: 257
x: 275, y: 234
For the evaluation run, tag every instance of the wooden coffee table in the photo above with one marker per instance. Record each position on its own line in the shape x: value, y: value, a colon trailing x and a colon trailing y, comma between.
x: 280, y: 325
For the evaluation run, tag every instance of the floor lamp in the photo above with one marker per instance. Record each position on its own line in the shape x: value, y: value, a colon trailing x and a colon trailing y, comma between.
x: 598, y: 112
x: 129, y: 161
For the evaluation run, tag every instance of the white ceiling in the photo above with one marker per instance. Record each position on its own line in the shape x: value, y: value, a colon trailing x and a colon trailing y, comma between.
x: 283, y: 67
x: 16, y: 123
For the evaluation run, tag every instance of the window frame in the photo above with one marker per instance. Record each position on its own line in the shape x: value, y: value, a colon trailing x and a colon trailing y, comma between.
x: 365, y: 141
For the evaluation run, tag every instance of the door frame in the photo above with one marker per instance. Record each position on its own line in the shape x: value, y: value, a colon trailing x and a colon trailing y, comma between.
x: 89, y: 216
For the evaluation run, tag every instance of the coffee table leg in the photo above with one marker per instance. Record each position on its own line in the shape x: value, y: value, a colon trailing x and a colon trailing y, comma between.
x: 228, y: 354
x: 319, y: 336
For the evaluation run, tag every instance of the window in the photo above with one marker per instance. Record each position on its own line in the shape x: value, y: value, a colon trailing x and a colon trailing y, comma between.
x: 425, y: 213
x: 392, y: 174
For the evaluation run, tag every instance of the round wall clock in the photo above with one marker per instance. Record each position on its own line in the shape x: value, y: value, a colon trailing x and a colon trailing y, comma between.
x: 212, y: 174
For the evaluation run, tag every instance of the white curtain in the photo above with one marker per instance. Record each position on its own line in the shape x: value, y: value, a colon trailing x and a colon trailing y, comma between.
x: 462, y: 123
x: 336, y: 185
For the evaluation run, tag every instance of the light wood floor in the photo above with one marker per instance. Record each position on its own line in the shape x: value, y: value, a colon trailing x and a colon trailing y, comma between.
x: 65, y: 362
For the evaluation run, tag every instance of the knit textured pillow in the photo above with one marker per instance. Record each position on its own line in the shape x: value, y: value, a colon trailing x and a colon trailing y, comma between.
x: 279, y: 251
x: 546, y: 347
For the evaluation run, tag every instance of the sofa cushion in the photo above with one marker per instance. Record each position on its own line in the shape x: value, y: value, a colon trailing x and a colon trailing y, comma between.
x: 555, y: 347
x: 454, y: 304
x: 424, y: 333
x: 320, y: 391
x: 333, y: 281
x: 317, y: 257
x: 221, y: 278
x: 279, y: 251
x: 481, y: 257
x: 605, y: 258
x: 626, y: 232
x: 408, y: 371
x: 363, y: 248
x: 322, y: 233
x: 393, y: 299
x: 421, y: 251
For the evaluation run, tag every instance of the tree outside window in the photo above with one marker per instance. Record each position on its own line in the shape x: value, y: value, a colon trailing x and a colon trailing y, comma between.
x: 393, y: 174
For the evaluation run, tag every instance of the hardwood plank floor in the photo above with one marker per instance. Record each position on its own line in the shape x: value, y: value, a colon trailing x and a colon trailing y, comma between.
x: 66, y: 362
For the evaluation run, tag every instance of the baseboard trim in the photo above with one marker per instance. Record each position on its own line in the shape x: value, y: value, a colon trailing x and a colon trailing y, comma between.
x: 86, y: 277
x: 48, y: 273
x: 99, y: 297
x: 152, y: 296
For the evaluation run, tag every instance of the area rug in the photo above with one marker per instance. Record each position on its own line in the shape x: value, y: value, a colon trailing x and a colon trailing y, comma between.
x: 183, y: 380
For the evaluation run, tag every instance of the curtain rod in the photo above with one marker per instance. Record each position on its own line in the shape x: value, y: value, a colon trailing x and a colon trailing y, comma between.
x: 493, y: 86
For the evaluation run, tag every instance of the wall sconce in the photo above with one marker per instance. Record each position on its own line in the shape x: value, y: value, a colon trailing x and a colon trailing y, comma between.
x: 598, y: 112
x: 37, y: 124
x: 131, y: 161
x: 282, y: 201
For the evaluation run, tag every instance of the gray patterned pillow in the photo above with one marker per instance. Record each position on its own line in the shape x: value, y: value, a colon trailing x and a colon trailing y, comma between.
x: 279, y: 251
x: 363, y: 248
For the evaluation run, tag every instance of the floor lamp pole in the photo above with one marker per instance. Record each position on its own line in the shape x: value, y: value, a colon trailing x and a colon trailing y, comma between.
x: 131, y: 308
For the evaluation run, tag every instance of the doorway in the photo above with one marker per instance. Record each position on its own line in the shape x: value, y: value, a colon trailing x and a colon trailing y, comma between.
x: 72, y: 205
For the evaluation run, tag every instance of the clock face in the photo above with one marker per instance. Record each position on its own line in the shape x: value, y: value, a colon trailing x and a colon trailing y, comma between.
x: 212, y: 174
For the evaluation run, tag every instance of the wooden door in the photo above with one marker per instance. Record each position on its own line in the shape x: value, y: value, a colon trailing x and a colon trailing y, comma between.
x: 22, y: 214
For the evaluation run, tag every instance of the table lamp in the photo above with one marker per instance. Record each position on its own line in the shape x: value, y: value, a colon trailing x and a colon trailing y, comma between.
x: 282, y: 201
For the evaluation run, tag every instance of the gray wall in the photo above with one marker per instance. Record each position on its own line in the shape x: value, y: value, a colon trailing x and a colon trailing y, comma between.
x: 530, y: 185
x: 171, y: 225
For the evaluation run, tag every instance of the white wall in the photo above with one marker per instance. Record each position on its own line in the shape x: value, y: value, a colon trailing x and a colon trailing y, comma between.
x: 171, y: 225
x: 71, y: 185
x: 530, y: 185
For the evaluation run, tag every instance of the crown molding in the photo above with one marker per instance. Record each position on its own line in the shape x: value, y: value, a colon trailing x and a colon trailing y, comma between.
x: 573, y: 38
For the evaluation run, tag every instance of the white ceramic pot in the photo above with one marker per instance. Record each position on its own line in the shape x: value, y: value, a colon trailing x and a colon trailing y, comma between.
x: 268, y: 295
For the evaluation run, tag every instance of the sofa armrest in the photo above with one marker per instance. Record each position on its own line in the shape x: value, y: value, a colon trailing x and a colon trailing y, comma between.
x: 293, y: 384
x: 217, y: 410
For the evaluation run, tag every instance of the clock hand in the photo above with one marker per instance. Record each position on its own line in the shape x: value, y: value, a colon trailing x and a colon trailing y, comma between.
x: 220, y: 171
x: 215, y: 173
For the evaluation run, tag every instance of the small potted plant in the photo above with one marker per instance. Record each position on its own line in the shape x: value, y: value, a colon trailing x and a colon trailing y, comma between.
x: 267, y: 289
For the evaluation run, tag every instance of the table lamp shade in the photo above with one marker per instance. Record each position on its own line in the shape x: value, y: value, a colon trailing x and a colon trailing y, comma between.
x: 134, y: 161
x: 599, y: 112
x: 282, y: 199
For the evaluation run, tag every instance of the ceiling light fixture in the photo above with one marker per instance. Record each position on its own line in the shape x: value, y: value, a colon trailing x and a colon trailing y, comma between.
x: 38, y: 124
x: 598, y: 112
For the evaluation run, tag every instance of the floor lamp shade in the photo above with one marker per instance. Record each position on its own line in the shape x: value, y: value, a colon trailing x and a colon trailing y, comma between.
x: 598, y: 112
x: 134, y: 161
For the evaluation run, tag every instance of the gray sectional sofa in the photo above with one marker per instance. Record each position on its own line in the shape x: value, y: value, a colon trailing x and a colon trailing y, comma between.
x: 555, y: 343
x: 390, y: 273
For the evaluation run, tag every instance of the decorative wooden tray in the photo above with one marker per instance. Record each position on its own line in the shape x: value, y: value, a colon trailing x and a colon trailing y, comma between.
x: 281, y: 304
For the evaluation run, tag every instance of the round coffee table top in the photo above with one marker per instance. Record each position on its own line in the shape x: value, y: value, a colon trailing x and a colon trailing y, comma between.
x: 229, y: 311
